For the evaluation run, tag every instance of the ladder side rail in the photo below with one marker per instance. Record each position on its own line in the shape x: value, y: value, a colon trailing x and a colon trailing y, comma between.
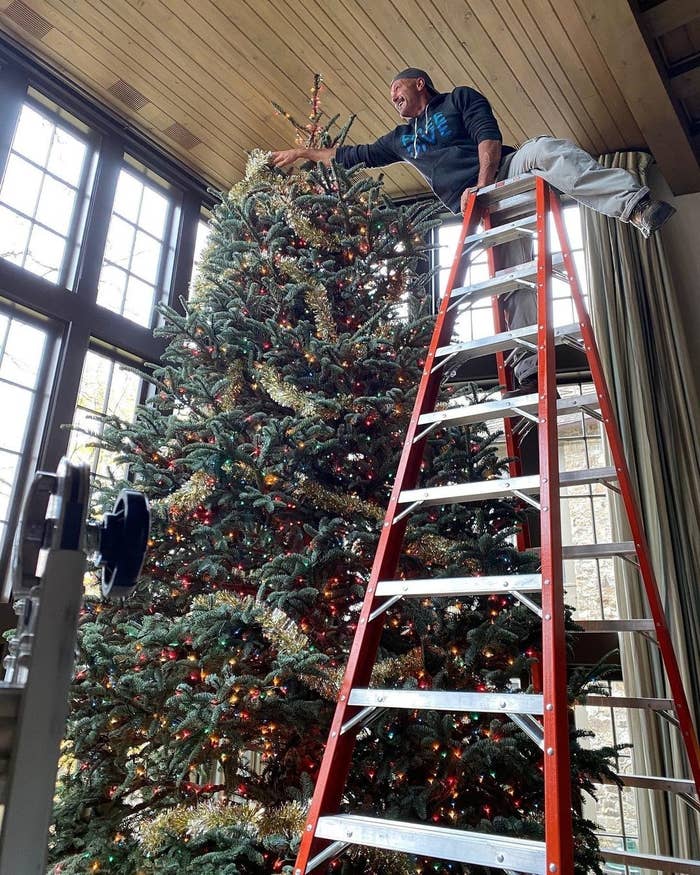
x: 557, y: 770
x: 663, y: 635
x: 335, y: 763
x: 505, y: 379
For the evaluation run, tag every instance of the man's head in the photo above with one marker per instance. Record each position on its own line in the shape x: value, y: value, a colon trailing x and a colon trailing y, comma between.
x: 411, y: 91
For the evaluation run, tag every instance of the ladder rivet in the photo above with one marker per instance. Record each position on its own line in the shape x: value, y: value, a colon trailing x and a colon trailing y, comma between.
x: 553, y: 867
x: 309, y: 827
x: 334, y: 734
x: 500, y: 858
x: 547, y: 582
x: 297, y: 872
x: 349, y: 834
x: 550, y: 751
x: 548, y: 616
x: 550, y: 707
x: 545, y: 509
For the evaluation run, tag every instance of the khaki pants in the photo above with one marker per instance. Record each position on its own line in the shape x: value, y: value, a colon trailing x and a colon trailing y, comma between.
x: 570, y: 170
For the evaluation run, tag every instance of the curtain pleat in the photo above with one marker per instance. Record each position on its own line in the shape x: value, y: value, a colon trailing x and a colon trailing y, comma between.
x: 642, y: 344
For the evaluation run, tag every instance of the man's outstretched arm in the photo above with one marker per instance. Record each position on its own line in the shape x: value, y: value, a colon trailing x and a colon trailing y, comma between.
x: 287, y: 157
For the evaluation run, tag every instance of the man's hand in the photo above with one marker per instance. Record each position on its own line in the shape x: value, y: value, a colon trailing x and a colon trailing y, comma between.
x: 465, y: 197
x: 287, y: 157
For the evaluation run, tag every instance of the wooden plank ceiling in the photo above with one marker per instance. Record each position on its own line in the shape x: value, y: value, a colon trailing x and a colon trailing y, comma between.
x: 199, y: 75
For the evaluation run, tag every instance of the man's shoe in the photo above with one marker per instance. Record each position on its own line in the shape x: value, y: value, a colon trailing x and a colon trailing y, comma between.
x: 527, y: 387
x: 650, y: 215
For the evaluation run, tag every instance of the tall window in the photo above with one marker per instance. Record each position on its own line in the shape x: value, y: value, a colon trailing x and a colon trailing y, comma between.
x: 105, y: 388
x: 40, y: 195
x: 132, y: 278
x: 92, y: 209
x: 23, y: 349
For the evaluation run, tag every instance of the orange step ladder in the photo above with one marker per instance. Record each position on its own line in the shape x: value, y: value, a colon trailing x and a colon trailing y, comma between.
x: 521, y: 206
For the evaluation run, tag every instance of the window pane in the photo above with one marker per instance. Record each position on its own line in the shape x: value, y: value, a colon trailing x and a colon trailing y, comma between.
x: 154, y: 208
x: 23, y: 352
x: 8, y: 469
x: 33, y: 135
x: 203, y: 232
x: 146, y: 256
x: 120, y: 242
x: 56, y: 205
x: 45, y: 253
x: 110, y: 291
x: 128, y: 196
x: 67, y: 156
x: 105, y: 387
x: 94, y: 383
x: 14, y: 234
x: 21, y: 185
x: 22, y: 349
x: 15, y: 403
x: 138, y: 304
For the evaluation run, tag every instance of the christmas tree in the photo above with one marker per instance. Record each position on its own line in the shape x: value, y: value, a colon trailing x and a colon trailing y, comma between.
x: 268, y: 451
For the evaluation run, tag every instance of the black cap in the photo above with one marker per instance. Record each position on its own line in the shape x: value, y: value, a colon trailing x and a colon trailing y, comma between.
x: 417, y: 73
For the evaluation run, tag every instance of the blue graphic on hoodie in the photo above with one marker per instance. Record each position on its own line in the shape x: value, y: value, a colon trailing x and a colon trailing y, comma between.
x: 435, y: 129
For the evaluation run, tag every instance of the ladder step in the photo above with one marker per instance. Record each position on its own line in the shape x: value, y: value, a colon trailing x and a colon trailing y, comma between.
x: 500, y: 487
x: 598, y: 551
x: 652, y: 862
x: 503, y: 233
x: 640, y: 625
x: 628, y: 702
x: 443, y: 700
x: 443, y: 843
x: 456, y: 586
x: 523, y: 276
x: 491, y: 195
x: 504, y: 341
x: 507, y: 407
x: 650, y: 782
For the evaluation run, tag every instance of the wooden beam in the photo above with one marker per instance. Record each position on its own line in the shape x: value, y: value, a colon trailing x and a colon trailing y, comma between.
x: 668, y: 16
x: 613, y: 25
x: 686, y: 85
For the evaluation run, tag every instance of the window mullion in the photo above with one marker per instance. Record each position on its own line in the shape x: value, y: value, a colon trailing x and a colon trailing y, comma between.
x: 97, y: 227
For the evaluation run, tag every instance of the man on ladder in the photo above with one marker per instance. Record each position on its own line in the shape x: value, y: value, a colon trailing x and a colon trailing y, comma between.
x: 454, y: 141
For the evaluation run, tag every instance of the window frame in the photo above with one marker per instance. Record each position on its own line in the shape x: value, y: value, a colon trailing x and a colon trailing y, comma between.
x: 69, y: 308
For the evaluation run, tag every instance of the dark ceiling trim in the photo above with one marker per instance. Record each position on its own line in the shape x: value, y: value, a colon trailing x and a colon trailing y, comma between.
x: 104, y: 119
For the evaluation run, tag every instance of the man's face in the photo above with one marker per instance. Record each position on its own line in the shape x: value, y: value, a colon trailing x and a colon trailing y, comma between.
x: 408, y: 97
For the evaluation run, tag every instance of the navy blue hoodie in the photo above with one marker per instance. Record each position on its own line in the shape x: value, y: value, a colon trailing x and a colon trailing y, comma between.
x: 441, y: 143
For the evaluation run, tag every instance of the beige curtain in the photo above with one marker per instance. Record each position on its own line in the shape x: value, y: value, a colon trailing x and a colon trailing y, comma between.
x: 641, y: 340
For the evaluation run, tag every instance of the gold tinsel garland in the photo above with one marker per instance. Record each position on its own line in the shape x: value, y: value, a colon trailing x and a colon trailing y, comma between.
x: 277, y: 626
x: 335, y: 503
x: 317, y: 301
x: 258, y: 169
x: 181, y: 824
x: 190, y: 495
x: 288, y: 396
x: 385, y: 671
x: 228, y: 397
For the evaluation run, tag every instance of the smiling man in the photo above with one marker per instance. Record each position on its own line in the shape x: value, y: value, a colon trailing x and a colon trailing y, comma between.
x: 454, y: 141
